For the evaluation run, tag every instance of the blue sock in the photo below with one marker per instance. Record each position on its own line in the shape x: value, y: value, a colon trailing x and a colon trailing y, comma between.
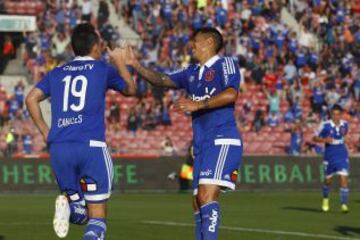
x: 95, y: 229
x: 210, y: 220
x: 326, y: 191
x: 78, y: 212
x: 344, y: 195
x: 198, y: 233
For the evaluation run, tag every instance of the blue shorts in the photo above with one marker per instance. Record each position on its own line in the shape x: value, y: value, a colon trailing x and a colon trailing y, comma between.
x: 83, y: 170
x: 217, y: 162
x: 338, y: 168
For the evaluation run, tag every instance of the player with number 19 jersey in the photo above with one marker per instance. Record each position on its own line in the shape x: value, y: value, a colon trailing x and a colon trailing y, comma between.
x: 77, y: 91
x: 77, y: 134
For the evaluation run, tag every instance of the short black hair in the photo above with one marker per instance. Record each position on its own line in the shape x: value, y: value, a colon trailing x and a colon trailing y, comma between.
x: 336, y: 107
x: 83, y: 38
x: 214, y: 34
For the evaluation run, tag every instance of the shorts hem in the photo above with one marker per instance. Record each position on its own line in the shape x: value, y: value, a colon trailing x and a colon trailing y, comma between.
x: 97, y: 197
x: 210, y: 181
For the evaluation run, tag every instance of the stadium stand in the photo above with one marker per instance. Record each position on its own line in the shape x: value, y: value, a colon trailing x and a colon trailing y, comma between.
x: 281, y: 72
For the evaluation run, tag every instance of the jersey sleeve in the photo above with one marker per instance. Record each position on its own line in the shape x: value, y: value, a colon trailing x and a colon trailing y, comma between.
x: 179, y: 77
x: 231, y: 74
x: 322, y: 131
x: 44, y: 85
x: 114, y: 80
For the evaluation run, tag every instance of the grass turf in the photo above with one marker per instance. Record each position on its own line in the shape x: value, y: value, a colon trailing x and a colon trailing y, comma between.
x: 29, y: 217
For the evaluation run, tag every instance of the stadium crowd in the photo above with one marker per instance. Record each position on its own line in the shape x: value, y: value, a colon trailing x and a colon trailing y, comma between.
x: 290, y: 79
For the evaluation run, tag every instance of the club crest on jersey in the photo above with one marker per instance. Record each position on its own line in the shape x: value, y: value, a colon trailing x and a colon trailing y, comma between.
x: 209, y: 75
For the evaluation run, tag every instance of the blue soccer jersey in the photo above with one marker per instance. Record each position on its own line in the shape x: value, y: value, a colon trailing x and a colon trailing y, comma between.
x: 336, y: 159
x: 77, y: 94
x: 79, y: 155
x: 217, y: 141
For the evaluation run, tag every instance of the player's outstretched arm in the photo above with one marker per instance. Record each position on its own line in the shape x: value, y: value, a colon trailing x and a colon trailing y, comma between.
x: 153, y: 77
x: 117, y: 57
x: 323, y: 140
x: 32, y: 101
x: 228, y: 96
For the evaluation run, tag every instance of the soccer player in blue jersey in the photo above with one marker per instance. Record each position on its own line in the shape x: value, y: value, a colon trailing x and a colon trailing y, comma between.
x: 336, y: 160
x: 79, y: 156
x: 212, y: 86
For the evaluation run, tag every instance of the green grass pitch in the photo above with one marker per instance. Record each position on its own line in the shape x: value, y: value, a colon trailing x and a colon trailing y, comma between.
x: 159, y: 216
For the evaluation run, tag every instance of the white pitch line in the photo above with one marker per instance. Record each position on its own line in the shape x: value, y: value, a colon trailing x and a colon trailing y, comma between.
x: 257, y: 230
x: 24, y: 223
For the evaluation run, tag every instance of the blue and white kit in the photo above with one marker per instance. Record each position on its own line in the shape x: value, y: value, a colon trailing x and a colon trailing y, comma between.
x: 217, y: 142
x: 79, y: 155
x: 336, y: 158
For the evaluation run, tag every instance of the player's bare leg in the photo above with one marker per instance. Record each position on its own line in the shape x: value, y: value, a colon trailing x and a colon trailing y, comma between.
x: 96, y: 227
x: 344, y: 193
x: 326, y: 191
x: 207, y: 199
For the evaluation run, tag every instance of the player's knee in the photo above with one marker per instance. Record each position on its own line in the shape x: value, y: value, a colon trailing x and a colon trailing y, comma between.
x: 328, y: 181
x: 195, y: 204
x: 97, y: 210
x: 204, y: 197
x: 343, y: 181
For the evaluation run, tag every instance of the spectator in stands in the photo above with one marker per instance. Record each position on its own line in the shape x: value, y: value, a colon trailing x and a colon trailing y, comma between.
x: 273, y: 120
x: 13, y: 107
x: 311, y: 119
x: 27, y: 143
x: 86, y: 10
x: 10, y: 139
x: 114, y: 116
x: 19, y: 93
x: 355, y: 110
x: 290, y: 72
x: 296, y: 139
x: 132, y: 121
x: 103, y: 12
x: 332, y: 97
x: 274, y: 101
x: 167, y: 147
x: 7, y: 52
x: 61, y: 42
x: 357, y: 87
x: 295, y: 93
x: 318, y: 97
x: 259, y: 120
x: 165, y: 115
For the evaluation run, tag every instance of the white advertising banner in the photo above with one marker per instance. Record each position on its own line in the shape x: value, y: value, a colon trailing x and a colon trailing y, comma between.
x: 16, y: 23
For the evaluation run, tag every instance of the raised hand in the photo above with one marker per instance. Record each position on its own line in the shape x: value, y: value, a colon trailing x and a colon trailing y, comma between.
x: 187, y: 105
x: 117, y: 55
x: 131, y: 58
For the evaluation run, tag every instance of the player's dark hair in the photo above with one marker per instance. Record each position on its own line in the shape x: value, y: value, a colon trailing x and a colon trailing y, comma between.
x: 214, y: 34
x: 83, y: 39
x: 337, y: 107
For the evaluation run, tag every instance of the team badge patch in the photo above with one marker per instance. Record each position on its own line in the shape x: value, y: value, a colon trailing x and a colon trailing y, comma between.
x: 210, y: 75
x: 87, y: 186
